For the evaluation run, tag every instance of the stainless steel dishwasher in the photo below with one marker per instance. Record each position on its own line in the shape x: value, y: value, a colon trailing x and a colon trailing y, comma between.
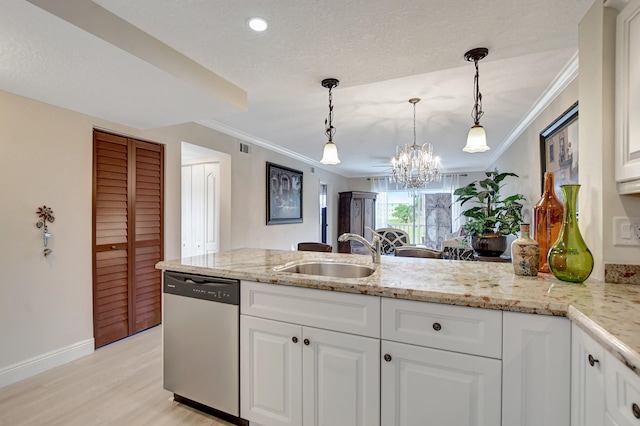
x: 201, y: 342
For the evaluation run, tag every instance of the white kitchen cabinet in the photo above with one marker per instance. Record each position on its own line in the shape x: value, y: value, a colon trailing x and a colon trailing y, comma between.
x: 423, y: 386
x: 432, y: 372
x: 622, y: 386
x: 535, y: 370
x: 340, y: 379
x: 587, y: 380
x: 628, y: 98
x: 294, y: 374
x: 270, y: 372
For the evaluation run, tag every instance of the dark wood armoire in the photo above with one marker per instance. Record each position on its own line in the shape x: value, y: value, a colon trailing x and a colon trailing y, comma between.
x: 356, y: 211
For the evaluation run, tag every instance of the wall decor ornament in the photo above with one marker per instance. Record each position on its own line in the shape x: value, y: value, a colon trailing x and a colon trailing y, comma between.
x: 284, y: 195
x: 45, y: 214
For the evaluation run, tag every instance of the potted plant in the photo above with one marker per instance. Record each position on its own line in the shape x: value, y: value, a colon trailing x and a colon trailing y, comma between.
x: 492, y: 217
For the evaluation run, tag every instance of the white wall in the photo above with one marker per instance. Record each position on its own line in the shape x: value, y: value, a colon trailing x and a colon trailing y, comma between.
x: 247, y: 222
x: 46, y: 158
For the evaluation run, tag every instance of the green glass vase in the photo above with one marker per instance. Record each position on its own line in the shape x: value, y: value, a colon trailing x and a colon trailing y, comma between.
x: 570, y: 259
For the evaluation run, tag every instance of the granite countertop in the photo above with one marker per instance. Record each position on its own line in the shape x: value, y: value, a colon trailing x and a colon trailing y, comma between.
x: 607, y: 312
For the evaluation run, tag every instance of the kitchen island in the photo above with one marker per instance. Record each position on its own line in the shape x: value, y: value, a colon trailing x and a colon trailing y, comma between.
x: 532, y: 325
x: 610, y: 313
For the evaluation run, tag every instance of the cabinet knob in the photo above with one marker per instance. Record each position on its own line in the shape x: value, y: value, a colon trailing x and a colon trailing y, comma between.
x: 306, y: 342
x: 636, y: 410
x: 387, y: 357
x: 113, y: 247
x: 592, y: 360
x: 294, y: 339
x: 437, y: 326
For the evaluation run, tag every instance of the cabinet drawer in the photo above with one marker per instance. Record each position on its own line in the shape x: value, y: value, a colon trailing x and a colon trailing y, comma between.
x: 622, y: 392
x: 331, y: 310
x: 454, y: 328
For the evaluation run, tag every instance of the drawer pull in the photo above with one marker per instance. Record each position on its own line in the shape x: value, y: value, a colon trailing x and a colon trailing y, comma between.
x: 592, y: 360
x: 306, y: 342
x: 437, y: 326
x: 636, y: 410
x: 113, y: 247
x: 294, y: 339
x: 387, y: 358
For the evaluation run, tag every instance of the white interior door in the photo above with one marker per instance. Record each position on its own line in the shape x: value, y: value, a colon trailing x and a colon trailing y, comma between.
x: 200, y: 209
x: 212, y: 207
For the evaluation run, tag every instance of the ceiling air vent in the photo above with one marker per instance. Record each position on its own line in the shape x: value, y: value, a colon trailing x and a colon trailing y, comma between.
x: 244, y: 148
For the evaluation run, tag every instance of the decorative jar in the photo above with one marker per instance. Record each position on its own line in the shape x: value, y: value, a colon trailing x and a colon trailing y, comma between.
x: 525, y: 253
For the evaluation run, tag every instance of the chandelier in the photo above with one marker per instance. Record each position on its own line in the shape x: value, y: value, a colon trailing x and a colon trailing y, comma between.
x: 414, y: 166
x: 477, y: 138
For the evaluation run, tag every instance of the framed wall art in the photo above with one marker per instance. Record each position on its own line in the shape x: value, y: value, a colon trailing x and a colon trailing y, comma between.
x: 559, y: 149
x: 284, y: 195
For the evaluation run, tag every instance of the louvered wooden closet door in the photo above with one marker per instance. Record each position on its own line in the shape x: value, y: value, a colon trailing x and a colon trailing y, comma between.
x: 128, y: 236
x: 148, y: 235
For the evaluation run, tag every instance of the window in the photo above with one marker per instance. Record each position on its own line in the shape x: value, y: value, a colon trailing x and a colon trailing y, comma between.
x: 428, y: 216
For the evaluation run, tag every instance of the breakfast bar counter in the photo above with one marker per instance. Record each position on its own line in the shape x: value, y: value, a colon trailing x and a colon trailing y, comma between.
x: 610, y: 313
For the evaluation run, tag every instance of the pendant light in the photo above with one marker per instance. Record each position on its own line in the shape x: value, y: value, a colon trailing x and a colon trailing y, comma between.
x: 330, y: 153
x: 477, y: 138
x: 414, y: 166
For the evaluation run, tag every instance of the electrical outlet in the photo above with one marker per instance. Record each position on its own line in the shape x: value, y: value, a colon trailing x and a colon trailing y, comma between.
x: 626, y: 231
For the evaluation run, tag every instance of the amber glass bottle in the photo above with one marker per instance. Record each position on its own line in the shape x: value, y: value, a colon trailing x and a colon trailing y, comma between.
x: 547, y: 221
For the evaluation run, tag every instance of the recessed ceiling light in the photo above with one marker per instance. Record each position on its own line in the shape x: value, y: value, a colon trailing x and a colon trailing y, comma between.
x: 257, y: 24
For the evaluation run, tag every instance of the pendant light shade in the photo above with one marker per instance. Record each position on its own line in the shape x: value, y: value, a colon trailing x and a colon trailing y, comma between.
x: 330, y: 153
x: 477, y: 137
x: 476, y: 140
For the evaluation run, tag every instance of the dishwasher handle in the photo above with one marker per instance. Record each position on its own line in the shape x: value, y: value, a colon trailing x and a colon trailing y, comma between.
x: 210, y: 281
x: 215, y: 289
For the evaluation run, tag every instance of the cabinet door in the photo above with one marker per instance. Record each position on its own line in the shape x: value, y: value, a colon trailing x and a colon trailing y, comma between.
x: 270, y: 372
x: 587, y: 380
x: 628, y: 98
x: 423, y: 386
x: 341, y: 379
x: 536, y: 370
x: 622, y: 386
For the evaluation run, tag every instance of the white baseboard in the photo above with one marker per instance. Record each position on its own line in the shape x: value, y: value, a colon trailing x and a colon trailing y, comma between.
x: 38, y: 364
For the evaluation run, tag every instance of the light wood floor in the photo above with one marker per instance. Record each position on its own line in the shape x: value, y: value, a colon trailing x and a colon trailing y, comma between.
x: 119, y: 384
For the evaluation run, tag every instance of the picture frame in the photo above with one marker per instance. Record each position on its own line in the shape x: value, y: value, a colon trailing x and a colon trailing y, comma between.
x: 559, y: 150
x: 284, y: 195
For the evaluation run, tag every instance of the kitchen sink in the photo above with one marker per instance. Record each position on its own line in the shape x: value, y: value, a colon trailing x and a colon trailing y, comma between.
x: 329, y: 269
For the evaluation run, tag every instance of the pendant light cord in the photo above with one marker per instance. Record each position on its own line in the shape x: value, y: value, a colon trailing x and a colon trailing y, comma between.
x: 330, y: 130
x: 477, y: 111
x: 414, y: 123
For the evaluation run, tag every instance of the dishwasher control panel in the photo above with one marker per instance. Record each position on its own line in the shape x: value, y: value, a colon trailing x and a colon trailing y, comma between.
x: 223, y: 290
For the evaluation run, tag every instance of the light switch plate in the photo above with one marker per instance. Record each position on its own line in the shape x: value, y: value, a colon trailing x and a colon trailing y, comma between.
x: 626, y: 231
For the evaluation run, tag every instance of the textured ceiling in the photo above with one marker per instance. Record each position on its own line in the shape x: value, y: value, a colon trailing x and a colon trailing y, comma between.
x: 382, y: 52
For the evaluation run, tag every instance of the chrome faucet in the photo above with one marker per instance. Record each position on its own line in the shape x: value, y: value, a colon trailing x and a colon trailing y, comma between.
x: 374, y: 246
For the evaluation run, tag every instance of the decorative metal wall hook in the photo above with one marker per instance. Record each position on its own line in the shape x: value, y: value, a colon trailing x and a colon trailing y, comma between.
x: 45, y: 214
